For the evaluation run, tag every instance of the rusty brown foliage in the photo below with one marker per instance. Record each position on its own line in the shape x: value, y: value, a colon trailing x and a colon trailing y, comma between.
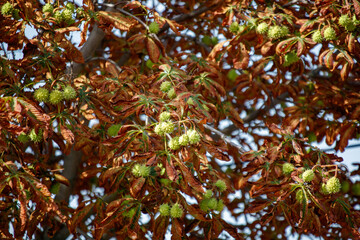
x: 99, y: 162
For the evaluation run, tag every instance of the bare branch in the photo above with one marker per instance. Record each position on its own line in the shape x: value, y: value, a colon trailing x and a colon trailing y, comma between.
x: 106, y: 59
x: 224, y: 137
x: 187, y: 16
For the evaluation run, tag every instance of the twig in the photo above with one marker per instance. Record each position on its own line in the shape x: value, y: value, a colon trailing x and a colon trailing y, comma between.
x: 133, y: 16
x: 78, y: 230
x: 224, y: 137
x: 106, y: 59
x: 187, y: 16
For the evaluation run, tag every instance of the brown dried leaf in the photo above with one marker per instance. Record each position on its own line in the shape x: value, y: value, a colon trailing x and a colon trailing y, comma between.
x: 170, y: 170
x: 67, y: 134
x: 61, y: 179
x: 297, y: 148
x: 136, y: 186
x: 190, y: 179
x: 153, y: 50
x: 117, y: 19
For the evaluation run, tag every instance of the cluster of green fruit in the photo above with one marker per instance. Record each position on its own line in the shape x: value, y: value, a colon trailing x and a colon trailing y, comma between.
x: 273, y: 32
x: 8, y: 10
x: 348, y: 23
x: 141, y: 170
x: 210, y: 41
x: 211, y: 203
x: 33, y: 136
x: 167, y: 87
x: 56, y: 96
x: 235, y: 28
x: 176, y: 211
x: 63, y: 16
x: 165, y: 126
x: 332, y: 186
x: 329, y: 34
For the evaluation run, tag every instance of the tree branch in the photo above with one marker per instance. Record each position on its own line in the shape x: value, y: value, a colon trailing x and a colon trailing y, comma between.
x: 224, y: 137
x: 187, y: 16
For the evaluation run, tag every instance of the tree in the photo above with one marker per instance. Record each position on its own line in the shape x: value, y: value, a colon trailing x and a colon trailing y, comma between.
x: 159, y: 111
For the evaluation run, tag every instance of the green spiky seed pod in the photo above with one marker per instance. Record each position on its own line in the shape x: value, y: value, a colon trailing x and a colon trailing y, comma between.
x: 276, y: 32
x: 220, y: 205
x: 171, y: 93
x: 299, y: 195
x: 144, y: 171
x: 168, y: 127
x: 58, y: 17
x: 41, y: 95
x: 23, y: 138
x: 316, y: 36
x: 206, y: 40
x: 345, y: 20
x: 208, y: 194
x: 234, y: 27
x: 212, y: 203
x: 355, y: 189
x: 56, y: 97
x: 164, y: 116
x: 221, y: 185
x: 284, y: 31
x: 36, y: 137
x: 113, y: 130
x: 176, y: 211
x: 329, y: 34
x: 165, y: 86
x: 204, y: 205
x: 70, y: 6
x: 214, y: 40
x: 350, y: 27
x: 333, y: 185
x: 241, y: 28
x: 287, y: 168
x: 194, y: 136
x: 7, y: 9
x: 184, y: 140
x: 136, y: 170
x: 345, y: 186
x: 69, y: 93
x: 48, y: 8
x: 164, y: 209
x: 308, y: 175
x: 323, y: 189
x: 262, y: 28
x: 67, y: 15
x: 159, y: 129
x: 174, y: 143
x: 154, y: 27
x: 290, y: 58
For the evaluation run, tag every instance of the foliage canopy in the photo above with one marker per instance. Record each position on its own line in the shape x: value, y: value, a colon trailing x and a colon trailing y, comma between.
x: 159, y: 118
